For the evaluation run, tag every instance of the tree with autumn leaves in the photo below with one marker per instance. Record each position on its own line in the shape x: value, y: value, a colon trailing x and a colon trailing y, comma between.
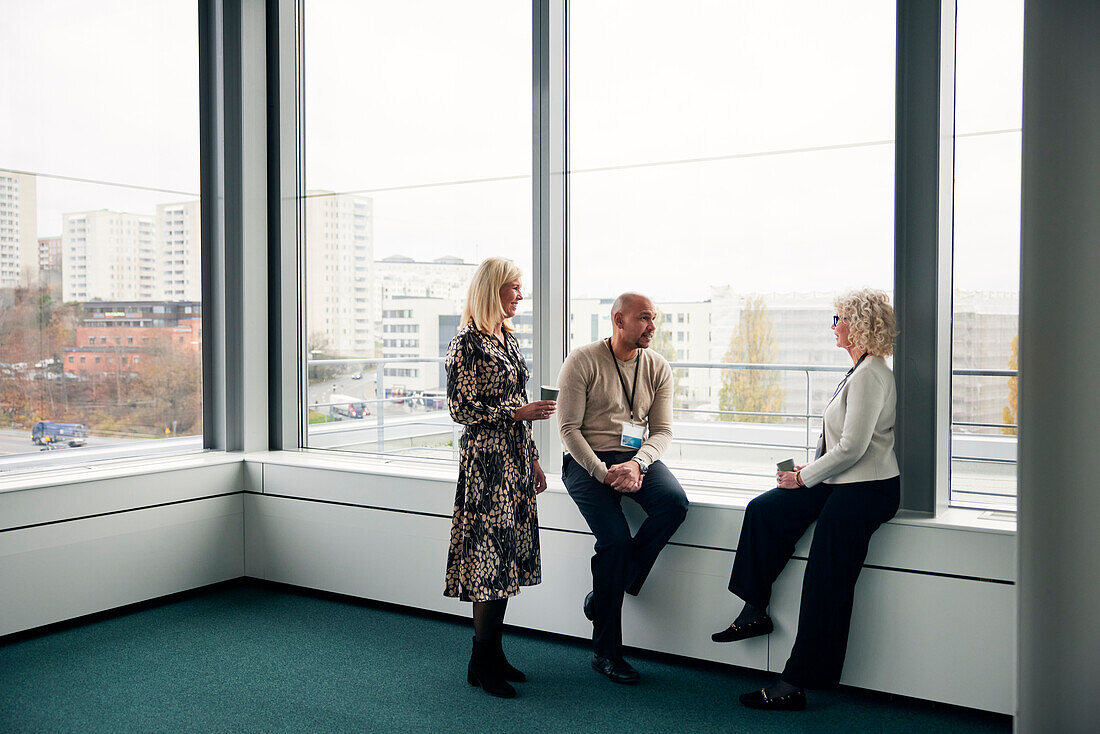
x: 1009, y: 415
x: 754, y: 391
x: 662, y: 344
x: 35, y: 330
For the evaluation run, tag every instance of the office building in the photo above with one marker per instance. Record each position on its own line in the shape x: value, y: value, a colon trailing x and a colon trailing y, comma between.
x: 411, y: 330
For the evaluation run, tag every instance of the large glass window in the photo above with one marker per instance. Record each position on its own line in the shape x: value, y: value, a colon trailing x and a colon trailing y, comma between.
x: 985, y: 346
x: 735, y: 162
x: 100, y: 287
x: 417, y: 166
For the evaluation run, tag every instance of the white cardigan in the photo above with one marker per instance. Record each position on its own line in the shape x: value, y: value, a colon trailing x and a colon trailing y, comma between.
x: 859, y: 429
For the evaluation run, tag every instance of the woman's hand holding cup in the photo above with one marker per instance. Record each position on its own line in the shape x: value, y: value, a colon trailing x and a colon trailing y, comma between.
x: 536, y: 411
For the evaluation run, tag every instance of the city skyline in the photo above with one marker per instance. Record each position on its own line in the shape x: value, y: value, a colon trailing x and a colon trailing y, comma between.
x: 743, y: 105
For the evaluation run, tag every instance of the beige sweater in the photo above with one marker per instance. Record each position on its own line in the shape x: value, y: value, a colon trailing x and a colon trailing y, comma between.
x: 592, y: 406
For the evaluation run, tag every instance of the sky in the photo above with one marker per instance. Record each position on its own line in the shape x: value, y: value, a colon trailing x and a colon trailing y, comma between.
x: 404, y: 99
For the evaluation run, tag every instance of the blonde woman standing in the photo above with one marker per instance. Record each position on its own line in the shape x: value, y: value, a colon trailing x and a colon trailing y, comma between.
x: 494, y: 546
x: 850, y: 488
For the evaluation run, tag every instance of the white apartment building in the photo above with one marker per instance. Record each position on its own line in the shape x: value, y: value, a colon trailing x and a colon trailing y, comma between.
x: 339, y: 253
x: 411, y: 329
x: 179, y: 235
x: 18, y: 229
x: 111, y: 256
x: 49, y: 254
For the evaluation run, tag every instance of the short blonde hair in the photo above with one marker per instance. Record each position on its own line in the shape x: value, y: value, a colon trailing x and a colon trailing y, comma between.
x: 483, y: 307
x: 872, y: 325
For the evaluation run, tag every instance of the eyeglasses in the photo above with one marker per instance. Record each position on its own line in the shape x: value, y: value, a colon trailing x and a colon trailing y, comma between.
x: 838, y: 319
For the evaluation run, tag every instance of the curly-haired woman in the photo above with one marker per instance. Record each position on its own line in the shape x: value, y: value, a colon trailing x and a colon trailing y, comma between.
x: 851, y: 487
x: 494, y: 546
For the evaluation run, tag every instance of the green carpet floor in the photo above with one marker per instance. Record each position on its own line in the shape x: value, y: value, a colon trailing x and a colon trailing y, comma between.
x: 247, y: 658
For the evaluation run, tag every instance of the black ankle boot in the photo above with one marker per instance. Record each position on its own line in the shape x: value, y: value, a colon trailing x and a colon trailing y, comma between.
x: 505, y: 669
x: 483, y: 672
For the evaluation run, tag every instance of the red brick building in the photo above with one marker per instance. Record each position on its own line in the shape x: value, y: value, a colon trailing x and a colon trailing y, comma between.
x: 118, y: 336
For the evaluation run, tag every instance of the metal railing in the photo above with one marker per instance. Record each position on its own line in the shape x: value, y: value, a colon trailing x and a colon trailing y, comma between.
x: 808, y: 418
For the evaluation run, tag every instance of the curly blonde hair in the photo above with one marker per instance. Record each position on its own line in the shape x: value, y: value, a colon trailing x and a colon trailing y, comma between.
x: 872, y: 325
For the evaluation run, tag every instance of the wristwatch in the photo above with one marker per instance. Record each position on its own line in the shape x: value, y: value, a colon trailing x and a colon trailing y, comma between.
x: 641, y: 464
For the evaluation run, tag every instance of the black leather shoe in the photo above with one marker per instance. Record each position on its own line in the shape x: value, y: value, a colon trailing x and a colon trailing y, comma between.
x: 617, y: 671
x: 759, y: 700
x: 590, y: 606
x: 735, y: 632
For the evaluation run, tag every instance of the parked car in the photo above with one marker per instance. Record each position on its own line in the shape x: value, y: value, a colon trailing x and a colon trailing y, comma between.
x: 50, y: 433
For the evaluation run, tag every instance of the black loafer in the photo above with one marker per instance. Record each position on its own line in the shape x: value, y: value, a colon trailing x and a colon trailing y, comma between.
x: 617, y: 671
x: 759, y: 700
x: 735, y: 632
x: 589, y: 606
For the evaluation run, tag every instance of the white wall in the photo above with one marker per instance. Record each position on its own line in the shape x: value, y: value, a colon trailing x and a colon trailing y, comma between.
x: 98, y: 539
x: 934, y: 609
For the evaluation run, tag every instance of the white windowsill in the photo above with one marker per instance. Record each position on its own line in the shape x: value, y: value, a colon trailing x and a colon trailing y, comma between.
x: 92, y: 471
x: 955, y: 518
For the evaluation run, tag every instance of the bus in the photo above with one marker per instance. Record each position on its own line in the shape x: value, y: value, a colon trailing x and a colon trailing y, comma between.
x: 48, y: 432
x: 348, y: 406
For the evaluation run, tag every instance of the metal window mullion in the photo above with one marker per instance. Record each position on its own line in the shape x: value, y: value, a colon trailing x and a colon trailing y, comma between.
x: 923, y: 248
x: 212, y: 116
x: 233, y: 134
x: 285, y: 223
x: 550, y: 199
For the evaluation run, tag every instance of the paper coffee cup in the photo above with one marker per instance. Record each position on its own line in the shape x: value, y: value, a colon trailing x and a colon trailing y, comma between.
x: 785, y: 465
x: 548, y: 392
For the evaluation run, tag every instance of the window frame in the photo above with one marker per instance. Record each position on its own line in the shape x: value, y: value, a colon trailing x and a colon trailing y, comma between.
x: 211, y: 26
x: 923, y: 232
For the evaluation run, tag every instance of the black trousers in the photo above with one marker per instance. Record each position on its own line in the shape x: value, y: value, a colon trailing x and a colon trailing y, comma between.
x: 622, y: 562
x: 847, y: 515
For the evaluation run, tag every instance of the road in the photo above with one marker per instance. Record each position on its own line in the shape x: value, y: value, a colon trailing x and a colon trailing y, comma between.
x: 319, y: 394
x: 18, y: 441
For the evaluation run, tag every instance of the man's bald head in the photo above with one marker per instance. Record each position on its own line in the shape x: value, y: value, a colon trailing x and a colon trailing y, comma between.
x: 633, y: 321
x: 629, y: 303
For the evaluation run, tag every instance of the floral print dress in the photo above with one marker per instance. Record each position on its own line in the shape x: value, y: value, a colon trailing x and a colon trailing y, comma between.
x: 494, y: 545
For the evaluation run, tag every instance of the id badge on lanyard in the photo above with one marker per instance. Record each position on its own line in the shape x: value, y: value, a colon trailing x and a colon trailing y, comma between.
x: 633, y: 435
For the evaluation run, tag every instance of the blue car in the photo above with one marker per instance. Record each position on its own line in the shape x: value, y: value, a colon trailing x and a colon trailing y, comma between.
x: 48, y: 432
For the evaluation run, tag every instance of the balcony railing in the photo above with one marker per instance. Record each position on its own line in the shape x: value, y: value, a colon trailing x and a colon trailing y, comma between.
x: 788, y: 431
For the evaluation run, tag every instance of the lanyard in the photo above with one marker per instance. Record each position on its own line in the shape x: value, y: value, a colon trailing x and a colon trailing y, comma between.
x: 838, y: 388
x: 622, y: 380
x: 849, y: 374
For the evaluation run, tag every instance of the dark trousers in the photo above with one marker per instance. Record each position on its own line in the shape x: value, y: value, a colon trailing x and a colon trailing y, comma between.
x: 622, y: 562
x: 847, y: 515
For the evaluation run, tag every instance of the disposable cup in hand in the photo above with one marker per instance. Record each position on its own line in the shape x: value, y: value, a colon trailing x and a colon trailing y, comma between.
x: 549, y: 392
x: 785, y: 465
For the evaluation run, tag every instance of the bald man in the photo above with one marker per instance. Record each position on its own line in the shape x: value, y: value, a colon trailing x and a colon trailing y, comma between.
x: 615, y: 417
